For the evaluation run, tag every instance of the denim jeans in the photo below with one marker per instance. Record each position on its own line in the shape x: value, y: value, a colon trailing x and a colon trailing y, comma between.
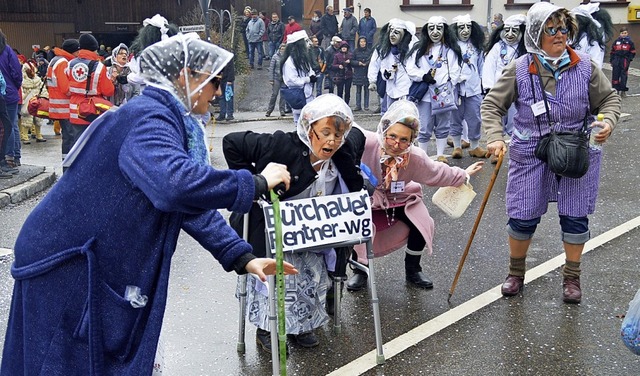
x: 7, y: 129
x: 359, y: 90
x: 273, y: 47
x: 319, y: 83
x: 253, y: 46
x: 13, y: 146
x: 226, y: 106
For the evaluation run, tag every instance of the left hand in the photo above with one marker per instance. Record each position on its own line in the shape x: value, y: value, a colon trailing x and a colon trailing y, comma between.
x: 262, y: 267
x: 604, y: 134
x: 474, y: 168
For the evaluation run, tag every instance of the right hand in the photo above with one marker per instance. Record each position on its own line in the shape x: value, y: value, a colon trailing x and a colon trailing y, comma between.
x: 276, y: 173
x: 373, y: 87
x: 428, y: 78
x: 496, y: 147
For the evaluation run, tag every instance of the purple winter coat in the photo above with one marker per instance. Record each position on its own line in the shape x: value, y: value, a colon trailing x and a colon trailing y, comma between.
x: 340, y: 58
x: 12, y: 71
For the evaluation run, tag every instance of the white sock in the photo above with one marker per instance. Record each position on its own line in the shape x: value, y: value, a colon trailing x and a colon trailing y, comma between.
x: 457, y: 141
x: 441, y: 143
x: 423, y: 146
x: 474, y: 144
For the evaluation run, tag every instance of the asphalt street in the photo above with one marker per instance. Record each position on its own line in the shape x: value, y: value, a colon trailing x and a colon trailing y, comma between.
x: 477, y: 332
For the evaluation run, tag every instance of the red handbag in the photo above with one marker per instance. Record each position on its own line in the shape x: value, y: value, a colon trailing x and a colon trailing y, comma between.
x: 92, y: 107
x: 39, y: 106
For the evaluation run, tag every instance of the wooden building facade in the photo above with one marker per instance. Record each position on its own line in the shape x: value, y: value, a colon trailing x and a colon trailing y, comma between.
x: 49, y: 22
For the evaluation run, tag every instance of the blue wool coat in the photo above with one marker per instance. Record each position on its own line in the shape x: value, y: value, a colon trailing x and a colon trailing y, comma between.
x: 111, y: 221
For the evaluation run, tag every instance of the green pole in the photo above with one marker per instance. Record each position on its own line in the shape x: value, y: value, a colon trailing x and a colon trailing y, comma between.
x: 282, y: 335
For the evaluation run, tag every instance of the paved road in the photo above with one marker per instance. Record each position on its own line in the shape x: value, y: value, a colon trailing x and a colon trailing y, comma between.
x: 477, y: 333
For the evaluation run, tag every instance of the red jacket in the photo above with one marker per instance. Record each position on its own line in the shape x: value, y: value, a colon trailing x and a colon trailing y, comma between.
x: 77, y: 73
x: 58, y: 84
x: 290, y: 29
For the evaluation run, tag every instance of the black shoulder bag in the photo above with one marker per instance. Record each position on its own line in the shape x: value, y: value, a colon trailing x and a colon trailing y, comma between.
x: 566, y: 153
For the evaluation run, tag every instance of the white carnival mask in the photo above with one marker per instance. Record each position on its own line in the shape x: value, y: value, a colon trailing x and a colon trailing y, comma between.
x: 395, y: 35
x: 436, y: 31
x: 511, y: 34
x: 464, y: 31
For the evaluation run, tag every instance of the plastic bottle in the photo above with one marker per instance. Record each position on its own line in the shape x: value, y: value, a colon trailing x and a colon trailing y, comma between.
x: 592, y: 140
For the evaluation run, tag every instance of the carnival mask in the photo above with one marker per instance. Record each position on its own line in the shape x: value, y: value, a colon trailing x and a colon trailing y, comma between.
x: 464, y: 31
x: 435, y: 32
x: 511, y: 34
x: 395, y: 35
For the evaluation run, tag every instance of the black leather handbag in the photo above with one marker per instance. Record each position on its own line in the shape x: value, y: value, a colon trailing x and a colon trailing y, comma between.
x: 566, y: 153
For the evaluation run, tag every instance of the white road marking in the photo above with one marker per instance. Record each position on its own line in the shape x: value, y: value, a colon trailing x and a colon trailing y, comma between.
x: 411, y: 338
x: 5, y: 251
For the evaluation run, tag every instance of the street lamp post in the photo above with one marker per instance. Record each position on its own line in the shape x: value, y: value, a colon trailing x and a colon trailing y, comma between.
x: 204, y: 5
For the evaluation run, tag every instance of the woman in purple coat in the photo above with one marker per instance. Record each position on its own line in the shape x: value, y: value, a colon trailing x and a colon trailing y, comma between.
x: 551, y: 86
x: 342, y: 71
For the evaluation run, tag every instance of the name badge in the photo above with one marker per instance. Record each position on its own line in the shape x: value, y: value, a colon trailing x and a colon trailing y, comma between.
x: 538, y: 108
x: 397, y: 186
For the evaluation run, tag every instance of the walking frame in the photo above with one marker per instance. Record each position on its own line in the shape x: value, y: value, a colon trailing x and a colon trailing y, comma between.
x: 337, y: 327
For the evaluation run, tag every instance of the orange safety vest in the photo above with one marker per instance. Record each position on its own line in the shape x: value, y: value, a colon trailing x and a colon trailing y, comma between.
x: 100, y: 84
x: 58, y: 85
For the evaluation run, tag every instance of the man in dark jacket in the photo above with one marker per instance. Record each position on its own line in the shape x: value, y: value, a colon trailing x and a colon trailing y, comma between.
x: 275, y: 33
x: 367, y: 27
x: 328, y: 26
x: 349, y: 28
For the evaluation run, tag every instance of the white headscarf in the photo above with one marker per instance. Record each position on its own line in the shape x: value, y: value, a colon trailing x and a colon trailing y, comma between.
x: 321, y: 107
x: 162, y: 63
x: 400, y: 111
x: 114, y: 54
x: 537, y: 17
x: 159, y: 22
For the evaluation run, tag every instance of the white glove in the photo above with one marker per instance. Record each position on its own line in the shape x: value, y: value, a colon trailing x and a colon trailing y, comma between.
x: 373, y: 87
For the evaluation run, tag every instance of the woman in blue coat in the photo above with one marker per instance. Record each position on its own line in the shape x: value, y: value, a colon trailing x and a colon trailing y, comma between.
x: 90, y: 300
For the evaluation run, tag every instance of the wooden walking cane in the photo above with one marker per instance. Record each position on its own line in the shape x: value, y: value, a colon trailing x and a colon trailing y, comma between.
x: 475, y: 225
x: 282, y: 336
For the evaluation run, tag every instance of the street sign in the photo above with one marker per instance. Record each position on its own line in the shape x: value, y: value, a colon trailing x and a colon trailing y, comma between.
x: 191, y: 28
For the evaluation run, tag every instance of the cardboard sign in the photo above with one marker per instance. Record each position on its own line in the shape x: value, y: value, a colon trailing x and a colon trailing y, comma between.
x: 318, y: 221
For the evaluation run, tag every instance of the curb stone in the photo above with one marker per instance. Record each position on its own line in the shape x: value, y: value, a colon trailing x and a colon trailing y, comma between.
x: 21, y: 192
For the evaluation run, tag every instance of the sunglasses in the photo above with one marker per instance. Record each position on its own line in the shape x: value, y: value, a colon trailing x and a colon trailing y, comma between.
x: 552, y: 31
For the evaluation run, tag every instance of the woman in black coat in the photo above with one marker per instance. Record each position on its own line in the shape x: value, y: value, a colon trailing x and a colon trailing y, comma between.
x: 360, y: 63
x: 322, y: 157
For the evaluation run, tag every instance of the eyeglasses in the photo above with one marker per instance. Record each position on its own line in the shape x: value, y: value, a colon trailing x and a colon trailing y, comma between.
x: 215, y: 80
x: 325, y: 137
x: 393, y: 140
x: 552, y: 31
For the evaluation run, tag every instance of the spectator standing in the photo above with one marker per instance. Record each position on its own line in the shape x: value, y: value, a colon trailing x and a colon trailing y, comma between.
x: 118, y: 72
x: 102, y: 52
x: 275, y: 33
x: 265, y: 38
x: 349, y: 28
x: 41, y: 68
x: 226, y: 87
x: 360, y: 63
x: 329, y: 53
x: 328, y: 26
x: 497, y: 19
x: 255, y: 30
x: 622, y: 53
x: 342, y: 71
x: 11, y: 69
x: 292, y: 27
x: 318, y: 63
x: 80, y: 69
x: 367, y: 27
x: 276, y: 82
x: 58, y: 86
x: 31, y: 85
x: 246, y: 17
x: 315, y: 27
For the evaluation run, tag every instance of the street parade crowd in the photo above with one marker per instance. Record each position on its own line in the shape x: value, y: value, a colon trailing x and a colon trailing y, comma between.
x: 531, y: 78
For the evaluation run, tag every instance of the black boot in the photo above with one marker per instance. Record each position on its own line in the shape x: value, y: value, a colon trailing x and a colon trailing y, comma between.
x: 358, y: 281
x: 414, y: 274
x: 263, y: 340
